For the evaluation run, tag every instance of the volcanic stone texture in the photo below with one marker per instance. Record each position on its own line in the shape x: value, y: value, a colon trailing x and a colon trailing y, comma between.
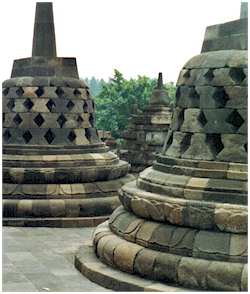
x: 184, y: 220
x: 56, y: 170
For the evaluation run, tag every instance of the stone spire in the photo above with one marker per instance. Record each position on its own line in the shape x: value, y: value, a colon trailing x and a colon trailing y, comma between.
x: 160, y: 81
x: 44, y: 39
x: 57, y: 171
x: 230, y: 35
x: 159, y: 95
x: 147, y: 130
x: 244, y: 10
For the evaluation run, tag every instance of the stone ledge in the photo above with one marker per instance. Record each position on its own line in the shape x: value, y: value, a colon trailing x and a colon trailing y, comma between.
x: 57, y: 222
x: 90, y: 266
x: 194, y: 273
x: 178, y: 211
x: 70, y: 175
x: 59, y: 208
x: 181, y: 241
x: 65, y: 191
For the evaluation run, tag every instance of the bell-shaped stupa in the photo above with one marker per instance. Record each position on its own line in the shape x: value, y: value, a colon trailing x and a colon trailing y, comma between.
x: 184, y: 221
x: 56, y: 170
x: 147, y: 130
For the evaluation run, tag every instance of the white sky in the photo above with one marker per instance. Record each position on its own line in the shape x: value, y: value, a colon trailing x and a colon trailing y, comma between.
x: 135, y: 36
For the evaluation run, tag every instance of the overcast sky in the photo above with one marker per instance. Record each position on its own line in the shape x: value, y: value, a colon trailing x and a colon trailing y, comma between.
x: 134, y: 36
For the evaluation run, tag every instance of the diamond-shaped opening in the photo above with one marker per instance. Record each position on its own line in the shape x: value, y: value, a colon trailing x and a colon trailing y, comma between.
x: 19, y: 91
x: 39, y: 120
x: 193, y: 94
x: 79, y: 119
x: 77, y: 92
x: 6, y: 135
x: 50, y: 105
x: 71, y: 136
x: 27, y: 136
x: 169, y: 140
x: 87, y: 93
x: 88, y: 134
x: 209, y: 75
x: 215, y: 143
x: 237, y: 74
x: 6, y: 91
x: 28, y: 104
x: 93, y: 104
x: 39, y: 92
x: 185, y: 143
x: 61, y: 120
x: 49, y: 136
x: 235, y: 119
x: 245, y: 147
x: 85, y: 107
x: 220, y: 96
x: 202, y: 118
x: 17, y: 119
x: 178, y: 94
x: 59, y: 92
x: 187, y: 75
x: 11, y: 104
x: 180, y: 119
x: 70, y: 105
x: 91, y: 119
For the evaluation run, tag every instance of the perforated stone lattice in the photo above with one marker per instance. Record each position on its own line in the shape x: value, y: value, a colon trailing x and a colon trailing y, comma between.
x: 211, y: 111
x: 50, y: 109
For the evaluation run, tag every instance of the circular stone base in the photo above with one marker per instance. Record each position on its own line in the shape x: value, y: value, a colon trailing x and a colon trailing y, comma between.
x: 58, y: 222
x: 90, y: 266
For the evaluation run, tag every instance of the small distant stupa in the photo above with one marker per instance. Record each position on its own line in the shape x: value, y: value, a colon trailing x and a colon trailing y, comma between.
x: 147, y: 130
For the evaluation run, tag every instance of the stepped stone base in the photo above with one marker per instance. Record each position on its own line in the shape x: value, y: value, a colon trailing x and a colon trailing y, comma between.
x: 186, y: 271
x: 56, y: 222
x: 90, y: 266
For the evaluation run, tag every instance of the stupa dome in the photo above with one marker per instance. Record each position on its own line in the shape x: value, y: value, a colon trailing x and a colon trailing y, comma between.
x: 56, y: 170
x: 184, y: 221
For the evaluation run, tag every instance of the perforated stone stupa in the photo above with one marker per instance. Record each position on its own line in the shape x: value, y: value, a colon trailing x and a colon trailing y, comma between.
x: 184, y: 221
x: 147, y: 130
x: 56, y: 170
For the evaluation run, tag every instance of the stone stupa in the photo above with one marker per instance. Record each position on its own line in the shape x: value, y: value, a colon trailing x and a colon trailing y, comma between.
x: 56, y: 170
x: 147, y: 130
x: 183, y: 223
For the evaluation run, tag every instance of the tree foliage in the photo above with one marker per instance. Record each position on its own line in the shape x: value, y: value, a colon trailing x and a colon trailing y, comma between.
x: 116, y: 101
x: 95, y: 85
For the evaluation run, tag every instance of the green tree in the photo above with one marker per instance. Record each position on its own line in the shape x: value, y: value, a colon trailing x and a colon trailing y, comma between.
x: 115, y: 102
x: 95, y: 85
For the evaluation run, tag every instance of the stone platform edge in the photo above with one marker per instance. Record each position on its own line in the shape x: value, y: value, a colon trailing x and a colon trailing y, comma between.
x: 55, y: 222
x: 91, y: 267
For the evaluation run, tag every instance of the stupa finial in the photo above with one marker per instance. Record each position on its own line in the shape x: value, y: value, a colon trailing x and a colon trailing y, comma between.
x: 244, y: 9
x: 160, y: 81
x: 44, y: 40
x: 159, y: 95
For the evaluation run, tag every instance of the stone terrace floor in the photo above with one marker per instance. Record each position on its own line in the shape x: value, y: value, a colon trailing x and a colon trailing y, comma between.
x: 41, y: 259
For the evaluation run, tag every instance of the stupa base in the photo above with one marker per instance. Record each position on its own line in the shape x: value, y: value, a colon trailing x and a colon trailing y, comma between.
x: 92, y: 268
x: 57, y: 222
x: 167, y: 268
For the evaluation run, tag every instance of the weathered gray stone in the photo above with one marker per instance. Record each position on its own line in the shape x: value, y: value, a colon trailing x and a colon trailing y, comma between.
x: 211, y: 244
x: 144, y: 263
x: 224, y: 276
x: 48, y: 112
x: 144, y: 137
x: 192, y: 273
